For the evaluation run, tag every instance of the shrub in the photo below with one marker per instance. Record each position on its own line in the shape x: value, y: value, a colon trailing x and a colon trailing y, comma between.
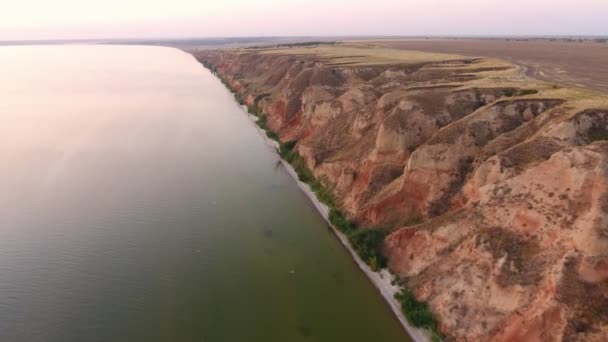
x: 286, y: 150
x: 238, y: 98
x: 339, y: 221
x: 288, y: 153
x: 299, y: 165
x: 288, y: 146
x: 395, y: 280
x: 272, y: 135
x: 304, y: 174
x: 416, y: 312
x: 323, y: 193
x: 262, y: 122
x: 528, y: 92
x: 597, y: 133
x: 367, y: 243
x: 510, y: 92
x: 254, y: 110
x: 289, y: 156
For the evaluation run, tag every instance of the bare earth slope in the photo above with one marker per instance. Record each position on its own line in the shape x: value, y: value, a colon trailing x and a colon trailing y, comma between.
x: 494, y: 184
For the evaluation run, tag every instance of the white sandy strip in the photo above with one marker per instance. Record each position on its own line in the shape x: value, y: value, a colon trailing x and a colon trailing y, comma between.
x: 382, y: 279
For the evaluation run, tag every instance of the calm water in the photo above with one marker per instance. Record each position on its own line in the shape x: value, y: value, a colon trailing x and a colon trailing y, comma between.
x: 138, y: 203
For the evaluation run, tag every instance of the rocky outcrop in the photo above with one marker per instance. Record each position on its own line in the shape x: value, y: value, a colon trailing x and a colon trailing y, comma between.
x: 512, y: 263
x: 497, y: 195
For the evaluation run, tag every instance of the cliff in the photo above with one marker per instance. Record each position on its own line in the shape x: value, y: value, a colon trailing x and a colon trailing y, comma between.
x: 493, y: 184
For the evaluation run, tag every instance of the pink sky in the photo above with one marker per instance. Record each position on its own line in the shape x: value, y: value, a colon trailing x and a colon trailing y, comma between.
x: 77, y: 19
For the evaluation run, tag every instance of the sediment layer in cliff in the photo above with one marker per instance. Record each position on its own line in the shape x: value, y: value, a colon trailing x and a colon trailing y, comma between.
x: 494, y: 184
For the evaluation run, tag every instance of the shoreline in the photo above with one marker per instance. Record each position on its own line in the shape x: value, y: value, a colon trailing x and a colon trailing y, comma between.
x: 380, y: 280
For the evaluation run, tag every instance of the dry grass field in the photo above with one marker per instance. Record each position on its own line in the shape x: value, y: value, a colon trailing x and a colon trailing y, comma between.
x: 551, y: 82
x: 491, y: 72
x: 578, y: 64
x: 346, y: 55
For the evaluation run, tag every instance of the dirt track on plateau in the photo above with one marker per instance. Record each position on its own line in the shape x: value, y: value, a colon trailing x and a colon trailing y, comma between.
x: 583, y: 65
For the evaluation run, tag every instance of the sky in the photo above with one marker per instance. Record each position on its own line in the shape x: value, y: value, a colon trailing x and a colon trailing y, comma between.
x: 83, y: 19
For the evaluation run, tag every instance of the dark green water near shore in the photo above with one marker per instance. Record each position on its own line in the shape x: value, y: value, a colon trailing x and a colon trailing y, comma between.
x: 139, y: 203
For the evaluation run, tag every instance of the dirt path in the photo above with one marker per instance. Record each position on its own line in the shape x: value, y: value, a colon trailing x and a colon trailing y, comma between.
x: 583, y: 65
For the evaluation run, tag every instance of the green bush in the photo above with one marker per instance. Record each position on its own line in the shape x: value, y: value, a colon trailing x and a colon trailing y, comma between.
x: 340, y: 222
x: 261, y: 122
x: 289, y: 154
x: 299, y: 165
x: 286, y: 150
x: 395, y: 280
x: 324, y: 194
x: 416, y: 312
x: 510, y: 92
x: 272, y: 135
x: 238, y: 98
x: 367, y: 243
x: 304, y: 174
x: 288, y: 146
x: 254, y: 110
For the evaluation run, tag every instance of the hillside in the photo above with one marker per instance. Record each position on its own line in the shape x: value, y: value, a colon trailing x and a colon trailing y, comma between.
x: 493, y: 186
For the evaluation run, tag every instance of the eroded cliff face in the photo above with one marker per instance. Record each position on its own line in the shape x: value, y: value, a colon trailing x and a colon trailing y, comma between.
x: 497, y: 195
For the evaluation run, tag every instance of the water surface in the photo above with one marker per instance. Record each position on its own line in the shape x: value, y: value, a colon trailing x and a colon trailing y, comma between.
x: 138, y: 203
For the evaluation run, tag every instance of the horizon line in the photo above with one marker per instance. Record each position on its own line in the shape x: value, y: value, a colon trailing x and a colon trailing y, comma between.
x: 184, y: 38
